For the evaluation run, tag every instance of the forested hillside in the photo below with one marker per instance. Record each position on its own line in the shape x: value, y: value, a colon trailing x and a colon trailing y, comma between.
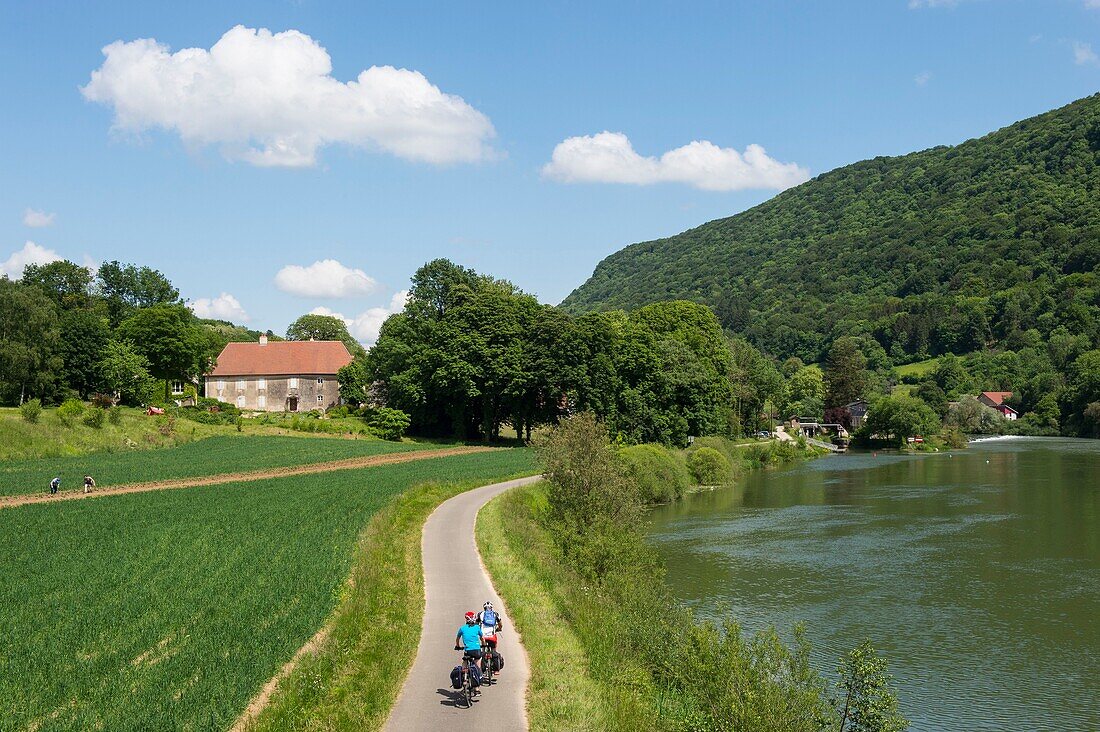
x: 949, y: 250
x: 987, y: 250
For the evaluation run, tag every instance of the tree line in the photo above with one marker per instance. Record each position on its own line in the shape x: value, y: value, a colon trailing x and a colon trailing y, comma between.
x: 121, y: 331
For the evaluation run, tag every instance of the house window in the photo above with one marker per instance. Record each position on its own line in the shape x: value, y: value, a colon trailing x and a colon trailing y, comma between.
x: 221, y: 386
x: 320, y: 398
x: 261, y: 401
x: 240, y: 401
x: 177, y: 387
x: 292, y: 382
x: 320, y: 381
x: 240, y: 384
x: 261, y: 383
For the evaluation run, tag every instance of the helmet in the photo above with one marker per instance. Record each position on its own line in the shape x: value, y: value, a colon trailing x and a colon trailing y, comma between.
x: 470, y: 616
x: 487, y: 606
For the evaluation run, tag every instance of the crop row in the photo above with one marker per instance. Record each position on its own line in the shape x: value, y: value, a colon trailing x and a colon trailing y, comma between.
x: 212, y: 456
x: 170, y: 609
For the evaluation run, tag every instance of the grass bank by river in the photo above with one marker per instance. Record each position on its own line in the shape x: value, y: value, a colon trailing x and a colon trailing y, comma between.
x: 609, y: 647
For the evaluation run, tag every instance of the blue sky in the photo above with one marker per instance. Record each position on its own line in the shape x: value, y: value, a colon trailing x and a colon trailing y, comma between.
x: 225, y: 183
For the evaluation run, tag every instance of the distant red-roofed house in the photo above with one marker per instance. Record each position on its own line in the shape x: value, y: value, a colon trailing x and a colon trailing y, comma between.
x: 996, y: 400
x: 290, y: 376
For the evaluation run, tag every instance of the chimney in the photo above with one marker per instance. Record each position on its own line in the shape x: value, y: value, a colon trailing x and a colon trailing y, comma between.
x: 263, y: 339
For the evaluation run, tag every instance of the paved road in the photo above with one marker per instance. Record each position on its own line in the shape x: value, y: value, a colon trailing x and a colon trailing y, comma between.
x: 454, y: 582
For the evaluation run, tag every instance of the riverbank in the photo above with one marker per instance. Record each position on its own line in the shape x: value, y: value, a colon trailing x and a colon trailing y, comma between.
x: 609, y: 646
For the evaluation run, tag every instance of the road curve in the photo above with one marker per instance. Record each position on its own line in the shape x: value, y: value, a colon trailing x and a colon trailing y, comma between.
x: 455, y: 581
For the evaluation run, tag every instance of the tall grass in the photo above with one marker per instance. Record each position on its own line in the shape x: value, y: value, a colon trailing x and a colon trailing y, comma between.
x: 561, y: 693
x: 656, y: 666
x: 170, y: 609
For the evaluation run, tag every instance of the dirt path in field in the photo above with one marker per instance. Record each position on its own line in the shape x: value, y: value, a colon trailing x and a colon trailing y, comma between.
x: 283, y: 472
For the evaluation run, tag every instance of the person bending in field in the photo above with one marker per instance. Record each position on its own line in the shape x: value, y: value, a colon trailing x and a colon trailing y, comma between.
x: 89, y: 483
x: 54, y: 485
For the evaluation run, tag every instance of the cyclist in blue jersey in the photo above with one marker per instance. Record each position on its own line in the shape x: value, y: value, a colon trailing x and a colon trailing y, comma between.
x: 468, y: 640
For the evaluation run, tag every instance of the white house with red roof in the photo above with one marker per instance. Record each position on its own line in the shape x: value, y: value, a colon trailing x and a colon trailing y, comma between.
x: 996, y: 400
x: 278, y: 376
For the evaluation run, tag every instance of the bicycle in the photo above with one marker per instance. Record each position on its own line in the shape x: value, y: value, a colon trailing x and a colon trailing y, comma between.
x: 487, y: 671
x: 468, y: 690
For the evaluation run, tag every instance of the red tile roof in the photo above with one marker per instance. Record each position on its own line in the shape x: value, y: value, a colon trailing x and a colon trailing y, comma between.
x: 282, y: 358
x: 997, y: 397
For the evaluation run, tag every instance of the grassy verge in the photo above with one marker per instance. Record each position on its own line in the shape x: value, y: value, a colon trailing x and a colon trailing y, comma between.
x: 593, y: 602
x: 212, y: 456
x: 171, y: 609
x: 519, y: 556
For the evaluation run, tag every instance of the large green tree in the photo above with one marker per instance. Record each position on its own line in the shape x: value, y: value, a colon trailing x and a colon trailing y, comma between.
x: 125, y: 372
x: 169, y: 338
x: 845, y: 373
x: 66, y: 283
x: 128, y: 287
x: 316, y: 327
x: 84, y: 336
x: 29, y: 362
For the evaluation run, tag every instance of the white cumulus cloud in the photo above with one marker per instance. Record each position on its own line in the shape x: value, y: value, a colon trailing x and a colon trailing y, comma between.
x: 222, y: 307
x: 365, y: 326
x: 608, y: 157
x: 1083, y: 54
x: 37, y: 219
x: 326, y: 278
x: 31, y: 253
x: 922, y: 78
x: 270, y: 99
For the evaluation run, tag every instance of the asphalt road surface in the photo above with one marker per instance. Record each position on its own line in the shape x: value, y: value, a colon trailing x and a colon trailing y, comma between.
x: 455, y: 581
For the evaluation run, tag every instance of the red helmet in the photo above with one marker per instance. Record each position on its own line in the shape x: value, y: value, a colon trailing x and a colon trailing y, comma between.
x: 471, y: 616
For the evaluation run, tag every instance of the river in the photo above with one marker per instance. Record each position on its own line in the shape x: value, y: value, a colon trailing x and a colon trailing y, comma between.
x: 976, y: 572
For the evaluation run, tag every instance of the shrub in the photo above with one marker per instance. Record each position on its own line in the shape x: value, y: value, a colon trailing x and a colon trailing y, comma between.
x: 114, y: 415
x: 30, y: 410
x: 708, y: 466
x: 867, y: 702
x: 338, y: 412
x: 659, y: 474
x: 389, y: 424
x: 70, y: 410
x: 94, y: 417
x: 240, y: 424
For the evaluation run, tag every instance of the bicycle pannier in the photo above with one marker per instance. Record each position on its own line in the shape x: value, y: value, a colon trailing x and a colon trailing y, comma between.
x: 456, y: 677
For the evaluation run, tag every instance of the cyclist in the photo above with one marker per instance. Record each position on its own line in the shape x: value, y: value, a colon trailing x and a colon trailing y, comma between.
x: 468, y: 640
x: 489, y: 620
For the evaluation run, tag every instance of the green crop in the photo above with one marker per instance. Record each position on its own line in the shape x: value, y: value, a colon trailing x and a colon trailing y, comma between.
x: 212, y: 456
x: 170, y: 609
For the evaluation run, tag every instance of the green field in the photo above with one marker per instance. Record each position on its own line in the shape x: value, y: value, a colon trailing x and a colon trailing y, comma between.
x: 170, y: 609
x: 214, y: 455
x: 920, y: 368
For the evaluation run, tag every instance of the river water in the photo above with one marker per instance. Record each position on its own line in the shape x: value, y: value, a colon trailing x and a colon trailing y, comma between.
x: 976, y: 572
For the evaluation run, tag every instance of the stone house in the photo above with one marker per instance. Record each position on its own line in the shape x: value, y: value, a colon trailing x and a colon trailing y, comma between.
x: 281, y: 376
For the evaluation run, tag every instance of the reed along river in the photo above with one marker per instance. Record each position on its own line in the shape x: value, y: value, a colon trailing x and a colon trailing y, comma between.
x: 976, y: 572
